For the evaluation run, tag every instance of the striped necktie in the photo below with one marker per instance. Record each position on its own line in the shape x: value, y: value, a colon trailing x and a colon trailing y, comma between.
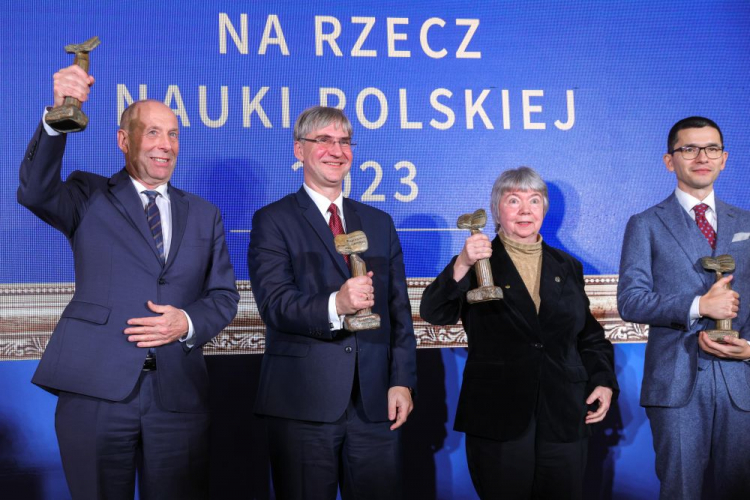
x: 154, y: 222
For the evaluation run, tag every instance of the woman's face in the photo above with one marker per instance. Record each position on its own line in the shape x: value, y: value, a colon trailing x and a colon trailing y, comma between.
x: 521, y: 215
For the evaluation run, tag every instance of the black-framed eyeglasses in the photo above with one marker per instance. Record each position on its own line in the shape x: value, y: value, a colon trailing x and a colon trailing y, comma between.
x: 692, y: 152
x: 329, y: 142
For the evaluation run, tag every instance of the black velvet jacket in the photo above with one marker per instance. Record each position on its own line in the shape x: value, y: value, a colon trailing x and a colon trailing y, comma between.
x: 522, y: 363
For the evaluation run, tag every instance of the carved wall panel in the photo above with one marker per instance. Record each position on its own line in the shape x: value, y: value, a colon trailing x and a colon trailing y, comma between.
x: 29, y: 313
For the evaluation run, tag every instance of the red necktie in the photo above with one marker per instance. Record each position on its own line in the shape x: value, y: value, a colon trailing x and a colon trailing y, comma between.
x: 335, y: 224
x: 703, y: 224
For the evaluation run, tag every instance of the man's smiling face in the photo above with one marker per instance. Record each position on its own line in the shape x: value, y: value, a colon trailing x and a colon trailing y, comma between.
x: 150, y: 143
x: 696, y: 177
x: 324, y: 167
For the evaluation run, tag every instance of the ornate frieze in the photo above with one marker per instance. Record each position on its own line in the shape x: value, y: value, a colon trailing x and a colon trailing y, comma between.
x: 29, y: 313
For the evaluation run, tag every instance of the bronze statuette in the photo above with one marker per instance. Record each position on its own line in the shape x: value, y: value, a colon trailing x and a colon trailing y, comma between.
x: 721, y: 265
x: 69, y: 117
x: 487, y: 289
x: 353, y: 244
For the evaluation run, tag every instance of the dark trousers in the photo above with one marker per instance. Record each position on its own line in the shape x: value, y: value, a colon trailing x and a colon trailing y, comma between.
x: 709, y: 429
x: 311, y: 460
x: 104, y: 443
x: 527, y: 467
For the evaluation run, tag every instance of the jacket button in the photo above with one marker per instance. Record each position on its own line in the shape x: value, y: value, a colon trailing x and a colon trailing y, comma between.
x: 32, y: 150
x: 538, y: 345
x: 348, y: 349
x: 162, y: 281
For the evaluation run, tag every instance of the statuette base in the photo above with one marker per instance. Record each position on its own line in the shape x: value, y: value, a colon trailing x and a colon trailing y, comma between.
x: 718, y: 335
x: 356, y: 323
x: 484, y: 294
x: 67, y: 119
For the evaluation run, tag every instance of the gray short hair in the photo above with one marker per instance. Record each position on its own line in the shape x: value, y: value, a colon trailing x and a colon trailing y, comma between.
x: 520, y: 179
x: 319, y: 117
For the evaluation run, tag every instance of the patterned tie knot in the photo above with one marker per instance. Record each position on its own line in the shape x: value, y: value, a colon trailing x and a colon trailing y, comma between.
x: 337, y: 227
x: 705, y: 227
x: 700, y: 210
x: 335, y: 221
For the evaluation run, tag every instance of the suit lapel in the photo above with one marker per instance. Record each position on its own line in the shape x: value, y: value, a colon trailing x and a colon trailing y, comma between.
x: 686, y: 233
x: 179, y: 207
x: 551, y: 282
x: 313, y: 216
x: 351, y: 217
x: 726, y: 227
x: 128, y: 202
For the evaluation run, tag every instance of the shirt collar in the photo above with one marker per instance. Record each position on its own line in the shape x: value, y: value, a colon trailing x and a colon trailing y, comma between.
x: 323, y: 203
x: 162, y: 189
x: 688, y: 202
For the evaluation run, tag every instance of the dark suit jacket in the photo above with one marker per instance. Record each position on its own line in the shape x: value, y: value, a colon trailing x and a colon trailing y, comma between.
x: 308, y: 369
x: 117, y: 270
x: 522, y: 364
x: 660, y: 275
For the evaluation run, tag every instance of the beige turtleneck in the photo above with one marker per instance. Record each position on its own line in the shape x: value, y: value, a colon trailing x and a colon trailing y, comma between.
x: 528, y: 261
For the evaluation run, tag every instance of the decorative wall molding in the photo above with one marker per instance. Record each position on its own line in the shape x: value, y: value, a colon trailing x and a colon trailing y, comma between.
x: 29, y: 313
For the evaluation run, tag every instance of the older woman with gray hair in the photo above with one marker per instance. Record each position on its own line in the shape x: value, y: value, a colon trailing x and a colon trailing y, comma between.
x: 539, y: 370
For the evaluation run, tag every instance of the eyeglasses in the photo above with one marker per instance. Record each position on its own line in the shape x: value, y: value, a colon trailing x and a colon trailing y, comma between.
x: 692, y: 152
x: 329, y: 142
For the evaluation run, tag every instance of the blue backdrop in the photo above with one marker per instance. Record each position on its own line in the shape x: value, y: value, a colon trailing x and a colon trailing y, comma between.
x: 443, y: 95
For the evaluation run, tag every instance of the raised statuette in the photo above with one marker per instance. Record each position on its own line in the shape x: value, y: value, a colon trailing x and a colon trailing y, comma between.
x: 353, y: 244
x: 69, y: 117
x: 487, y: 289
x: 721, y: 265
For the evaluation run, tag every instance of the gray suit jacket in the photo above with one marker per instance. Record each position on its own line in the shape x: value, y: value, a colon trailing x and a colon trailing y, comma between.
x: 660, y: 275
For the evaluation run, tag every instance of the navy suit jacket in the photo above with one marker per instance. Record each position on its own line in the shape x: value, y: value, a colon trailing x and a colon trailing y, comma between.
x: 660, y: 275
x: 117, y: 270
x: 522, y: 363
x: 308, y: 370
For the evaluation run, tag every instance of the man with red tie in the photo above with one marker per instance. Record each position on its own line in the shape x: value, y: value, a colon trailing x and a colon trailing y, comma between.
x: 696, y: 391
x: 333, y: 400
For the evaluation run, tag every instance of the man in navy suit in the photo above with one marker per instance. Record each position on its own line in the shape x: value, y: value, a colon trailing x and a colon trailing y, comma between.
x: 334, y: 400
x: 153, y: 284
x: 696, y: 391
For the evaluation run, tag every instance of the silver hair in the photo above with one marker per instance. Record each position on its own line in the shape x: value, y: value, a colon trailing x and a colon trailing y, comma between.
x: 319, y: 117
x: 516, y: 179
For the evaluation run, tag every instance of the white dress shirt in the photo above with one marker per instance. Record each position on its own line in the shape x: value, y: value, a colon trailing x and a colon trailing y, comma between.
x: 165, y: 211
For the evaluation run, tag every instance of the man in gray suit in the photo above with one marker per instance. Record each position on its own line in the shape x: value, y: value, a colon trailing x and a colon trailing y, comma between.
x: 696, y: 391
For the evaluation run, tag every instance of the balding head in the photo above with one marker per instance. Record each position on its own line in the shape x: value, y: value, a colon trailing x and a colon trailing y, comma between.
x: 131, y: 112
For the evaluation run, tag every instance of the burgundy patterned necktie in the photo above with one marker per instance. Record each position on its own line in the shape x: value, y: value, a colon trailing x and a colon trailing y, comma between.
x: 335, y: 224
x: 704, y: 225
